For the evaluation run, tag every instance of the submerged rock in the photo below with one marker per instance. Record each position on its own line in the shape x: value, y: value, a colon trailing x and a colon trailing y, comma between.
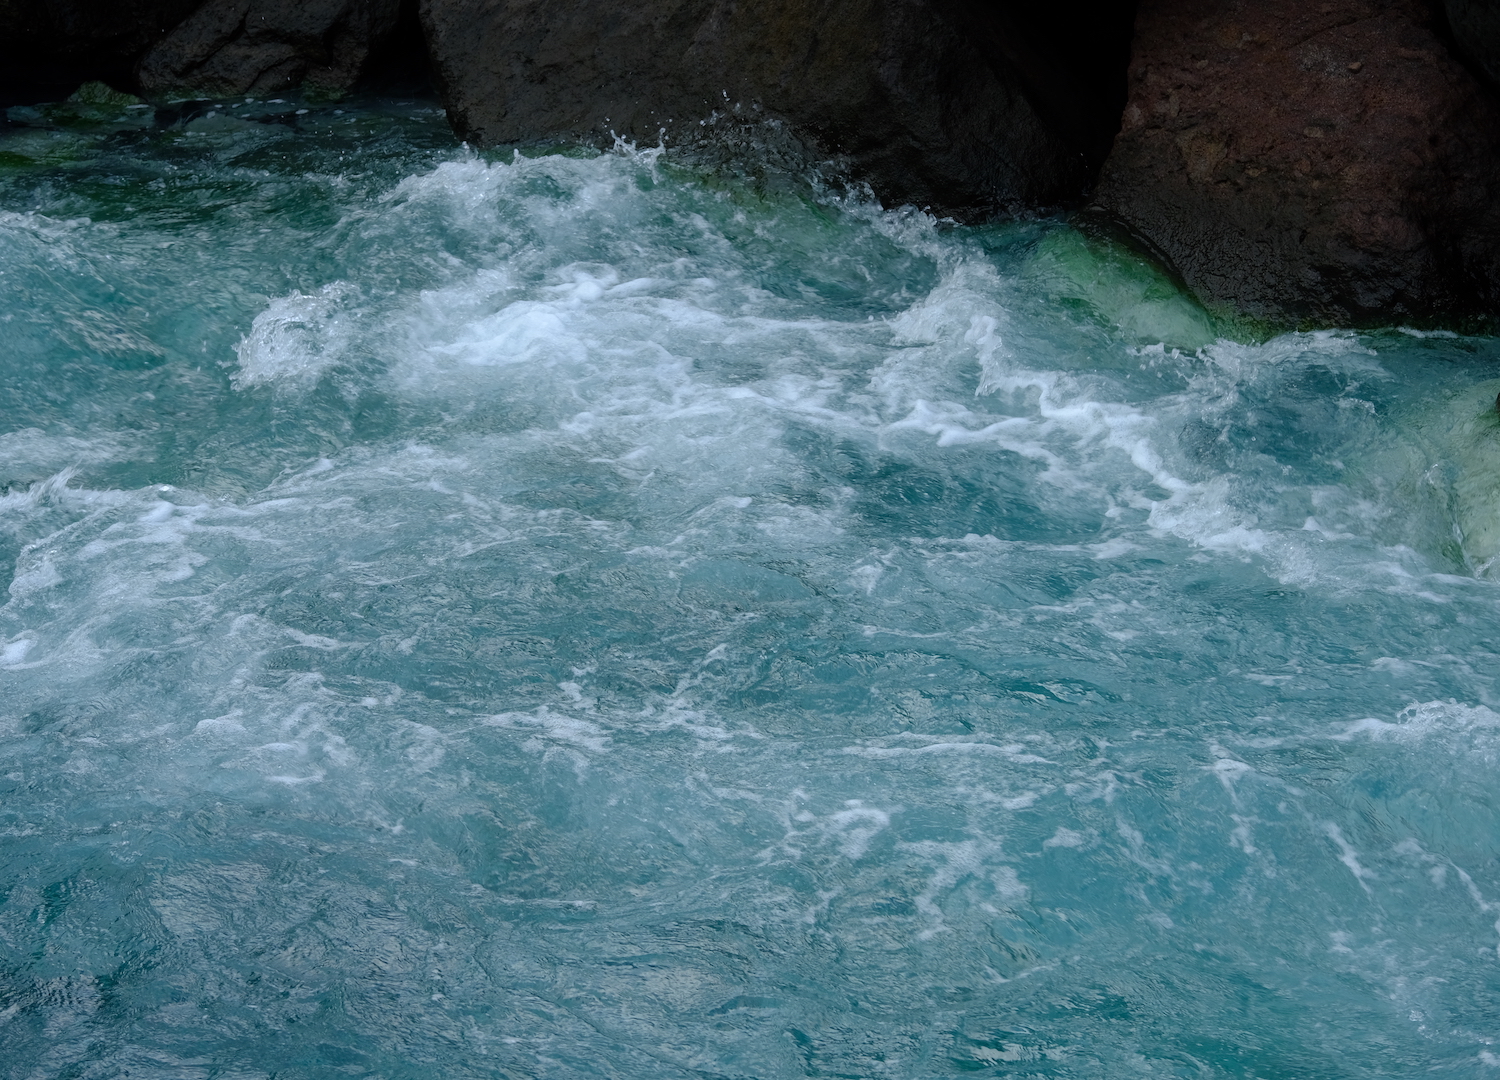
x: 1443, y: 460
x: 1329, y: 163
x: 265, y: 46
x: 102, y: 96
x: 1114, y: 286
x: 953, y: 105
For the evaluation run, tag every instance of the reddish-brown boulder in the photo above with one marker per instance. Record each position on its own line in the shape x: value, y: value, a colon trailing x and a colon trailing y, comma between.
x: 1320, y: 162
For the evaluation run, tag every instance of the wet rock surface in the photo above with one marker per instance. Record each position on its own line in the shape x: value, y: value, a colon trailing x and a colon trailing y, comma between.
x: 265, y: 46
x: 951, y: 105
x: 1325, y: 163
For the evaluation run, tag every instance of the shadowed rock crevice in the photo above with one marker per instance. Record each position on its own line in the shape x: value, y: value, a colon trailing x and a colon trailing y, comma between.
x: 398, y: 64
x: 1071, y: 60
x: 1475, y: 29
x: 48, y: 49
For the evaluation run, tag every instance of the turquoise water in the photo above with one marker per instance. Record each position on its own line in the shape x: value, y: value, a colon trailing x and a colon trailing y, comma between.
x: 582, y: 615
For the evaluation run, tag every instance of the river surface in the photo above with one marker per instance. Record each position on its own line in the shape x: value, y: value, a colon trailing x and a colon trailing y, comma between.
x: 575, y: 614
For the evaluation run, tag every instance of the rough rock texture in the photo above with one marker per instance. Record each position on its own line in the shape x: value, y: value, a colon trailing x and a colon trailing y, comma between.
x: 1327, y: 162
x: 264, y: 46
x: 953, y: 104
x: 1476, y: 28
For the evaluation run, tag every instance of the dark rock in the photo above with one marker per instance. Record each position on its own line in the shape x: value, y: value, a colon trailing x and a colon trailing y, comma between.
x: 48, y: 49
x: 953, y: 104
x: 1475, y: 25
x: 79, y: 29
x: 265, y: 46
x: 1325, y: 162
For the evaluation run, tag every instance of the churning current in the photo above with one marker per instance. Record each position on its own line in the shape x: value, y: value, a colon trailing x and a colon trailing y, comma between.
x: 564, y: 614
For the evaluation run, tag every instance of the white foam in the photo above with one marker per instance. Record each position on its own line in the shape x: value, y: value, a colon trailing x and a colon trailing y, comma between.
x: 856, y: 827
x: 1424, y: 720
x: 1348, y: 855
x: 555, y: 727
x: 605, y: 351
x: 229, y: 724
x: 14, y: 652
x: 1015, y: 752
x: 297, y: 338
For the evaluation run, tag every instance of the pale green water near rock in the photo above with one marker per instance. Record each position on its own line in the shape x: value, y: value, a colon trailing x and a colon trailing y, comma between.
x: 571, y: 615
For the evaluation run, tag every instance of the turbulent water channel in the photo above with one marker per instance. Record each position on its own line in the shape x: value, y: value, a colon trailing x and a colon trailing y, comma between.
x: 566, y: 614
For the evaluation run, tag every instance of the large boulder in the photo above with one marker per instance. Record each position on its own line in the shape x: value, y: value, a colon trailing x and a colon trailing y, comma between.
x: 1314, y: 162
x: 264, y: 46
x: 953, y: 104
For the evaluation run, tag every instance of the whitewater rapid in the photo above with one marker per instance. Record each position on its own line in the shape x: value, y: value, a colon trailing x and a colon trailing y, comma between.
x: 569, y: 614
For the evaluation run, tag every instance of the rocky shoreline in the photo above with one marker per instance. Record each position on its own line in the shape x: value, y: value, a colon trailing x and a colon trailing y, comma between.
x: 1304, y: 164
